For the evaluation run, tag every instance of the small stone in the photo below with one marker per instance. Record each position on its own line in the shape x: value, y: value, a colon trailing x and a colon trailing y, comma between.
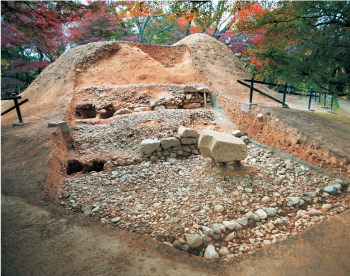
x: 168, y: 243
x: 115, y: 220
x: 266, y: 199
x: 177, y: 245
x: 123, y: 111
x: 217, y: 228
x: 270, y: 211
x: 326, y: 207
x: 277, y: 181
x: 230, y: 237
x: 330, y: 190
x: 261, y: 213
x: 301, y: 213
x: 185, y: 132
x: 314, y: 212
x: 210, y: 252
x: 207, y: 231
x: 84, y: 146
x: 237, y: 133
x: 224, y: 251
x: 159, y: 108
x: 230, y: 224
x: 243, y: 221
x: 140, y: 109
x: 194, y: 240
x: 128, y: 210
x: 196, y: 208
x: 219, y: 208
x: 185, y: 247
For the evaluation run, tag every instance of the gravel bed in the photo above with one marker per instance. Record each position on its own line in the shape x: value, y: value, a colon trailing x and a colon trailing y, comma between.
x: 199, y: 207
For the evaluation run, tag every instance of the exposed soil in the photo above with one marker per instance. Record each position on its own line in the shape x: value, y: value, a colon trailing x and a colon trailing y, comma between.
x: 35, y: 158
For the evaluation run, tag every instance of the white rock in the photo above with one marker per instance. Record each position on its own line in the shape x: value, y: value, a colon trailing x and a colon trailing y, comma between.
x: 261, y: 213
x: 270, y: 211
x: 123, y: 111
x: 224, y: 251
x: 243, y: 221
x: 230, y: 237
x: 219, y: 208
x: 230, y: 224
x: 210, y: 252
x: 114, y: 220
x: 237, y: 133
x: 326, y: 207
x: 207, y: 231
x: 217, y: 228
x: 140, y: 109
x: 159, y: 108
x: 314, y: 212
x: 301, y: 213
x: 194, y: 240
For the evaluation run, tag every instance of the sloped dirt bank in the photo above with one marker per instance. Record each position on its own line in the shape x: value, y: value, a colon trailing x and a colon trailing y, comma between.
x: 306, y: 135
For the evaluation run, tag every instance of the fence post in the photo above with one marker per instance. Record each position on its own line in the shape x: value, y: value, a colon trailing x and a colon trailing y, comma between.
x: 319, y: 97
x: 315, y: 97
x: 331, y: 104
x: 324, y: 100
x: 17, y: 109
x: 251, y: 91
x: 284, y: 95
x: 310, y: 97
x: 18, y: 91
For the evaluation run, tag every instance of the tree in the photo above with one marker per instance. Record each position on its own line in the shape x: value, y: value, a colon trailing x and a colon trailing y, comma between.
x: 304, y: 42
x: 32, y: 34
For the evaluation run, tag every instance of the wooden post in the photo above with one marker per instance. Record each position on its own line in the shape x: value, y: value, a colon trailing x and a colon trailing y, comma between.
x: 205, y: 100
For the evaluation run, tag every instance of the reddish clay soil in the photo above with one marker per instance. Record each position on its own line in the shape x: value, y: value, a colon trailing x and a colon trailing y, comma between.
x: 47, y: 241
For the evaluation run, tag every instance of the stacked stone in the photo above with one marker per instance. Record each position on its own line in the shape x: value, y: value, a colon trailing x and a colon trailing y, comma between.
x: 183, y: 145
x: 190, y: 98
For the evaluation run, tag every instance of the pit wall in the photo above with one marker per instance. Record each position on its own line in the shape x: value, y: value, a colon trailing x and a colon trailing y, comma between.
x: 278, y: 135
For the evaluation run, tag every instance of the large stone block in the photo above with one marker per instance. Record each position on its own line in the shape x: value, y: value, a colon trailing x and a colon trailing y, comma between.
x: 221, y: 146
x: 148, y: 146
x: 169, y: 142
x: 185, y: 132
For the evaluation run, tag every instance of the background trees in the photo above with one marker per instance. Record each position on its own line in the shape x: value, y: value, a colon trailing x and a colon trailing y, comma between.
x: 302, y: 43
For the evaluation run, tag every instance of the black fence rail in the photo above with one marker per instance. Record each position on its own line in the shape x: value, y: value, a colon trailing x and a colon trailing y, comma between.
x: 284, y: 90
x: 15, y: 99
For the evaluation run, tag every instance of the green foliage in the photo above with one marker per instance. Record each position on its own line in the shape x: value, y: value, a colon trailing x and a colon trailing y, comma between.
x: 305, y: 43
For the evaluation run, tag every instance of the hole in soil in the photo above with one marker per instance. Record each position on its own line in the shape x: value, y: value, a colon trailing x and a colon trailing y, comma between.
x: 85, y: 111
x: 107, y: 112
x: 74, y: 166
x: 94, y: 165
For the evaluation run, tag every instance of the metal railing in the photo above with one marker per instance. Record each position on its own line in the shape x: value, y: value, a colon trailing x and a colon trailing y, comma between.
x: 311, y: 93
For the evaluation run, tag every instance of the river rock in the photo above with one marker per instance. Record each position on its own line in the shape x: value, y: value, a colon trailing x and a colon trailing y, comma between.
x: 123, y: 111
x: 194, y: 240
x: 210, y: 252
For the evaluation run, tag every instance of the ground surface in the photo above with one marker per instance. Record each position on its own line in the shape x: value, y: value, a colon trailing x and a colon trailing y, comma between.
x: 39, y: 238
